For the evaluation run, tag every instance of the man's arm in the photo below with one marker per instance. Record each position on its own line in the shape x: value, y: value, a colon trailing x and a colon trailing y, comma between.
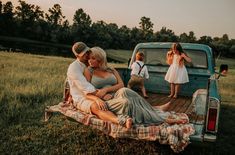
x: 77, y: 78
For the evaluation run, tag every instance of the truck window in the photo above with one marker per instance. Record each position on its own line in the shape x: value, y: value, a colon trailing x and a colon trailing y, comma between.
x: 157, y: 57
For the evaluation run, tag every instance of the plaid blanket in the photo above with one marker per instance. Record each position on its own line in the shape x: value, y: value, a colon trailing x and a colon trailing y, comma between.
x: 177, y: 135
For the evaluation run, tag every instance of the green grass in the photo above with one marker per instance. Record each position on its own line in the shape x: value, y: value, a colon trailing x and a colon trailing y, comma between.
x: 28, y: 83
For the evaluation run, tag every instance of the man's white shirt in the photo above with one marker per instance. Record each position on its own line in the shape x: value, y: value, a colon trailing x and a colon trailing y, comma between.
x: 79, y: 86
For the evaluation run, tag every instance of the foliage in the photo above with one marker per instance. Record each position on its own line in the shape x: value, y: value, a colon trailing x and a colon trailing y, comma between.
x: 29, y: 21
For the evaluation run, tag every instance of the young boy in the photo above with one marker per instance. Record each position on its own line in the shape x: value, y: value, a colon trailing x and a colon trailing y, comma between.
x: 139, y: 73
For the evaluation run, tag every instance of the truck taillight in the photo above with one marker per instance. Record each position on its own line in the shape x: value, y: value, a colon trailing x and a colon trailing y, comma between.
x: 212, y: 119
x: 212, y: 115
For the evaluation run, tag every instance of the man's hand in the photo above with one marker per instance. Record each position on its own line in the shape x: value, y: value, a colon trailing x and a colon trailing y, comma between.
x: 101, y: 93
x: 102, y: 105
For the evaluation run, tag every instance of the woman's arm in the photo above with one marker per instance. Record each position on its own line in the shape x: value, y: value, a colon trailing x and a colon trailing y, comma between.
x: 117, y: 86
x: 112, y: 88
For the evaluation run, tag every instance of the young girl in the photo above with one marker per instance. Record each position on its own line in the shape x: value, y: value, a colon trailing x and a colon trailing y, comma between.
x: 139, y: 73
x: 177, y: 73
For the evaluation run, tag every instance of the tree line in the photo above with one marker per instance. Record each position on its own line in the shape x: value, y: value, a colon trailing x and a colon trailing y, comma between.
x: 30, y: 22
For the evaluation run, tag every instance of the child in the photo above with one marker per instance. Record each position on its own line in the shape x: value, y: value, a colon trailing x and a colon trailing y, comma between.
x: 177, y: 73
x: 139, y: 73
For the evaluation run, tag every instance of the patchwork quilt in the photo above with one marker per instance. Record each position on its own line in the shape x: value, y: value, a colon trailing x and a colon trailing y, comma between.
x: 177, y: 135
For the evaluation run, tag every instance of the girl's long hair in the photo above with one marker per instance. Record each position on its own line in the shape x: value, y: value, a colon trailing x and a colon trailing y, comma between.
x: 170, y: 54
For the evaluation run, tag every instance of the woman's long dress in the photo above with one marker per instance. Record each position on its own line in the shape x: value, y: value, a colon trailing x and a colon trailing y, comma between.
x: 127, y: 103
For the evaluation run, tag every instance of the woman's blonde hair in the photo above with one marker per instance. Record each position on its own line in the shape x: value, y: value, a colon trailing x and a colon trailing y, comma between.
x: 100, y: 55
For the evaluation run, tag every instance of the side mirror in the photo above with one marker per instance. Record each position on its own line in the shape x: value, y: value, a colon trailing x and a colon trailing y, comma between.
x: 223, y: 69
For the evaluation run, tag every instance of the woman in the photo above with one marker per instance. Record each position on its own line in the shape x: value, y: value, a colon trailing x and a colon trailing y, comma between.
x: 122, y: 101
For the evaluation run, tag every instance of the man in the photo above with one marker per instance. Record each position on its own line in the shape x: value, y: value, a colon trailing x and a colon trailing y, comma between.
x: 80, y: 88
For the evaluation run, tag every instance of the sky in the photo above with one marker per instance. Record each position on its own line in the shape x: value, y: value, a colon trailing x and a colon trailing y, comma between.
x: 204, y: 17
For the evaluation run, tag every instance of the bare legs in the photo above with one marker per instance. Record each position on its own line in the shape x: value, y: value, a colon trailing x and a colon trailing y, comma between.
x: 176, y: 121
x: 177, y: 87
x: 174, y: 90
x: 163, y: 107
x: 108, y: 116
x: 144, y: 91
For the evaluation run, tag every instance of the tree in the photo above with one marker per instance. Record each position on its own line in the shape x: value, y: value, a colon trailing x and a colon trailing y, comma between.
x: 81, y: 28
x: 205, y: 40
x: 147, y: 27
x: 65, y: 34
x: 7, y: 22
x: 54, y: 19
x: 232, y: 50
x: 28, y: 18
x: 136, y: 36
x: 0, y: 7
x: 192, y: 38
x: 99, y: 35
x: 125, y: 37
x: 55, y: 15
x: 188, y: 38
x: 28, y: 13
x: 165, y: 35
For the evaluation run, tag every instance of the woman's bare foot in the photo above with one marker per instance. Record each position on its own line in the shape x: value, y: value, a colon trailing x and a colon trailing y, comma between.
x: 128, y: 123
x: 176, y: 121
x: 163, y: 107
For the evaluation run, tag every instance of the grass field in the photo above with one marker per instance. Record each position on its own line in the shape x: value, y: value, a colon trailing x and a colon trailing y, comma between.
x: 28, y: 83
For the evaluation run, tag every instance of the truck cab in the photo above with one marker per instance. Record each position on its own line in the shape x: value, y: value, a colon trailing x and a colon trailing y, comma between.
x: 199, y: 98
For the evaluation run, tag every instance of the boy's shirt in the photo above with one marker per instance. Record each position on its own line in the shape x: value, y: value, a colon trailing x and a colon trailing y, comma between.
x: 136, y: 69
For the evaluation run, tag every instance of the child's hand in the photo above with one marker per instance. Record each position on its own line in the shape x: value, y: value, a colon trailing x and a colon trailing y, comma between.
x: 183, y: 55
x: 169, y: 52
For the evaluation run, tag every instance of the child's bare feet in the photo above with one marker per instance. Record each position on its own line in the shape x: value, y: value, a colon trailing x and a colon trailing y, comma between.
x: 170, y: 96
x: 146, y: 96
x: 175, y: 96
x: 128, y: 123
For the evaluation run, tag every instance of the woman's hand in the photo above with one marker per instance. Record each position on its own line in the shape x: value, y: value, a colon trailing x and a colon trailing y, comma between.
x: 107, y: 97
x: 101, y: 93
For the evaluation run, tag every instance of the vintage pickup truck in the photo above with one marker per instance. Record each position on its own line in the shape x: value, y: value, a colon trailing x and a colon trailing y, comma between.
x: 199, y: 99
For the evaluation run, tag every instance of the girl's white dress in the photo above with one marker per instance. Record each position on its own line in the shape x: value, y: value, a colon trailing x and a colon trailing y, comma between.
x: 176, y: 74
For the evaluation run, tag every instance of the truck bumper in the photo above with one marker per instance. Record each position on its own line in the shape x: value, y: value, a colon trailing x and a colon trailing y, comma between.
x: 210, y: 137
x: 203, y: 138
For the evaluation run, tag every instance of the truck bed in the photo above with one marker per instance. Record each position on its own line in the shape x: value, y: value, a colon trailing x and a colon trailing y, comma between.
x: 182, y: 104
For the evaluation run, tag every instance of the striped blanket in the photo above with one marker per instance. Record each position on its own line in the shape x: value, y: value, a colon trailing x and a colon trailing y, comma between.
x: 177, y: 135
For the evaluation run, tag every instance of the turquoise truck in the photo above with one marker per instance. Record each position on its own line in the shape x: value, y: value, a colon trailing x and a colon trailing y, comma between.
x: 199, y: 98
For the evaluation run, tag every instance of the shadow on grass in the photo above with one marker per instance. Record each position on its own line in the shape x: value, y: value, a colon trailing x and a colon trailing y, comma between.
x: 24, y: 108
